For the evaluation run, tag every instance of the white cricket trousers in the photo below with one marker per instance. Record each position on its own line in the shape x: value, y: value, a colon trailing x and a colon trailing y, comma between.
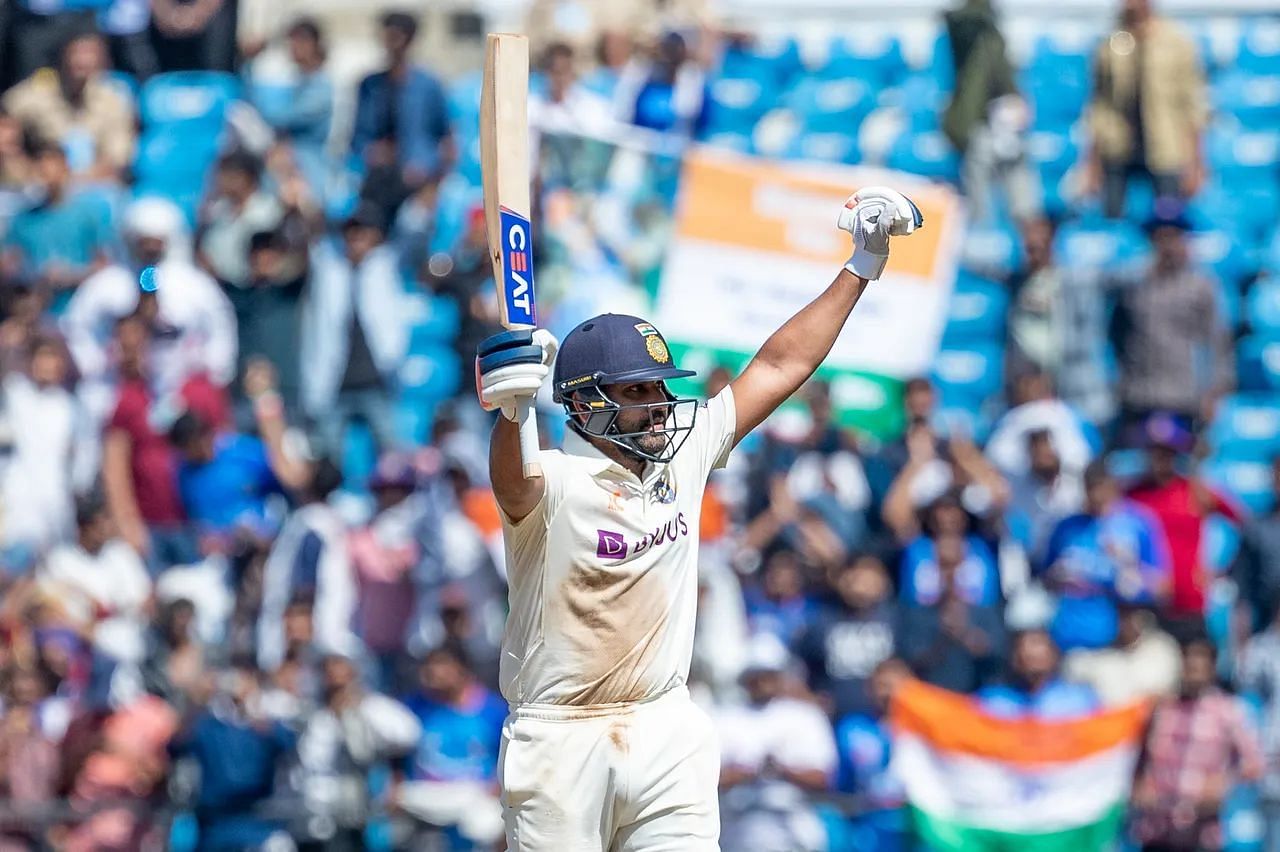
x: 638, y: 777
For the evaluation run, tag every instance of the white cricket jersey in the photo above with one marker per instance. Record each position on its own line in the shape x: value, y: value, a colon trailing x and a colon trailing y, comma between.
x: 603, y: 572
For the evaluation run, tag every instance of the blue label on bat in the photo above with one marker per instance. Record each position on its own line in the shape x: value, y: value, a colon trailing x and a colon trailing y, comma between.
x: 517, y: 268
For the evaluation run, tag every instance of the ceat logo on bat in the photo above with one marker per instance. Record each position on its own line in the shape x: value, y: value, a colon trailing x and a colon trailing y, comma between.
x: 517, y: 267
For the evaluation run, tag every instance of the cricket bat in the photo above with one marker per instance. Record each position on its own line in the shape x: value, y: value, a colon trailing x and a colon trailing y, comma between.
x: 504, y: 164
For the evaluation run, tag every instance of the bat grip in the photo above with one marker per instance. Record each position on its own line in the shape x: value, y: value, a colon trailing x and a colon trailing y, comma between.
x: 530, y: 446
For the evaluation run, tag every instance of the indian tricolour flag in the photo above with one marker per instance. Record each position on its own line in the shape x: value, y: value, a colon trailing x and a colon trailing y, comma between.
x: 978, y: 782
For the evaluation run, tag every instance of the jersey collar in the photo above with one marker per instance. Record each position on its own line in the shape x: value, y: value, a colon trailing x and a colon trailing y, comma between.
x: 597, y: 462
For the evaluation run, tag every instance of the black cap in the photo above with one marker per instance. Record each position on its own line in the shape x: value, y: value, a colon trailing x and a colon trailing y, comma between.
x: 611, y: 349
x: 1168, y: 212
x: 367, y: 215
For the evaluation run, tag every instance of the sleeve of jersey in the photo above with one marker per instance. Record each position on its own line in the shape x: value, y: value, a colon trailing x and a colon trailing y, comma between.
x: 553, y: 484
x: 714, y: 429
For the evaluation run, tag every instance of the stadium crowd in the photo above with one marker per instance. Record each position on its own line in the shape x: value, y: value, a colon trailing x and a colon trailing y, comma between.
x: 251, y: 576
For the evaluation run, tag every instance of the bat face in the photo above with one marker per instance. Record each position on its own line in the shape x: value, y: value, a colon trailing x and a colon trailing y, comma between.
x: 517, y: 268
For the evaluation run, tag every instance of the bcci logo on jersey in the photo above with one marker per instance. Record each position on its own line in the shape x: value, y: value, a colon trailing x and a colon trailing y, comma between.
x: 614, y: 545
x: 517, y: 268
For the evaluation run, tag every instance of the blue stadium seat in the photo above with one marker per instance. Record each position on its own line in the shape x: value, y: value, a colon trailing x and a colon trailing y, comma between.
x: 1247, y: 480
x: 1220, y: 544
x: 1258, y: 363
x: 1052, y: 152
x: 830, y: 106
x: 1220, y: 253
x: 737, y: 103
x: 1101, y: 245
x: 976, y: 313
x: 464, y: 97
x: 179, y: 156
x: 1263, y: 310
x: 1253, y: 208
x: 1246, y: 426
x: 1057, y: 96
x: 775, y: 60
x: 196, y: 98
x: 1064, y: 58
x: 1259, y: 46
x: 1241, y: 158
x: 921, y: 99
x: 412, y: 418
x: 1251, y: 99
x: 124, y: 84
x: 825, y: 147
x: 927, y: 154
x: 434, y: 318
x: 968, y: 376
x: 1127, y: 465
x: 875, y: 58
x: 731, y: 140
x: 430, y: 375
x: 992, y: 249
x: 941, y: 66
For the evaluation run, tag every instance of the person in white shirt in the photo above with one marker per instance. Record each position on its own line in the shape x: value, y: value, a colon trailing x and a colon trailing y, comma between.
x: 604, y: 749
x: 194, y: 321
x: 773, y: 751
x: 567, y: 106
x: 103, y: 582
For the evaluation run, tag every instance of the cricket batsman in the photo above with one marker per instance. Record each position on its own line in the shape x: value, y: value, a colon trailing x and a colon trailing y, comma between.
x: 603, y: 750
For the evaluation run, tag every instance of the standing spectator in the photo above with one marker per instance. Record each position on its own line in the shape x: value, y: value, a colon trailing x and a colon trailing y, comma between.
x: 1113, y: 550
x: 348, y: 735
x: 1035, y: 688
x: 865, y: 743
x: 1148, y: 111
x: 1199, y: 746
x: 197, y: 333
x: 237, y: 208
x: 1042, y: 496
x: 354, y: 332
x: 238, y: 752
x: 29, y: 765
x: 987, y: 118
x: 269, y: 314
x: 53, y: 451
x: 1173, y: 346
x: 1181, y: 504
x: 952, y: 643
x: 567, y: 106
x: 853, y: 635
x: 63, y: 238
x: 106, y: 580
x: 194, y: 35
x: 1257, y: 566
x: 75, y: 108
x: 1141, y: 664
x: 1258, y: 676
x: 774, y: 751
x: 401, y: 133
x: 175, y: 665
x: 669, y: 93
x: 451, y: 778
x: 780, y: 605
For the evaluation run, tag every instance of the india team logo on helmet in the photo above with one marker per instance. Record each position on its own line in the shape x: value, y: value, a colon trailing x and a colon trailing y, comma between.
x: 653, y: 343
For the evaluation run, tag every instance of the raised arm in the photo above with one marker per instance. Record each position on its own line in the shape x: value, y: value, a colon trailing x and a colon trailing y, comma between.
x: 790, y: 356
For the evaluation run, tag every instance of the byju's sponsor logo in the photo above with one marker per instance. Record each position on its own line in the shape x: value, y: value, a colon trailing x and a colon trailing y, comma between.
x: 614, y: 545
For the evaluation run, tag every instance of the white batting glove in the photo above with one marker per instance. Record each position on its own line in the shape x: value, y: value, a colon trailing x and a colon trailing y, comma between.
x: 872, y: 215
x: 503, y: 387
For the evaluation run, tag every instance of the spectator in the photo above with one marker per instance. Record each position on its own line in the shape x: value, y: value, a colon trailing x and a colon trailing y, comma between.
x: 237, y: 751
x: 308, y: 562
x: 1044, y: 495
x: 1181, y: 504
x: 349, y: 734
x: 1035, y: 688
x: 774, y: 751
x: 1257, y: 566
x: 1173, y: 346
x: 567, y: 106
x: 987, y: 118
x: 29, y: 765
x: 302, y: 111
x: 74, y: 108
x: 104, y: 578
x: 1114, y: 550
x: 139, y: 471
x: 1148, y: 109
x: 669, y: 93
x: 1199, y: 745
x: 62, y: 239
x: 948, y: 556
x: 126, y: 25
x: 1257, y: 677
x: 174, y: 668
x: 1034, y: 407
x: 237, y: 208
x: 194, y: 35
x: 952, y: 643
x: 451, y: 778
x: 1141, y: 664
x: 197, y: 334
x: 354, y: 332
x: 864, y: 742
x: 17, y: 171
x: 52, y: 454
x: 269, y: 314
x: 402, y: 133
x: 852, y: 635
x: 780, y: 605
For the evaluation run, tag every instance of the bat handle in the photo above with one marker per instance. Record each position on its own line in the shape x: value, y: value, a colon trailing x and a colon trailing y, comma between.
x: 530, y: 446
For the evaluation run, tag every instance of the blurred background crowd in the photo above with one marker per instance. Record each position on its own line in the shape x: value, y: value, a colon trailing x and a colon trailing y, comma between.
x: 252, y: 574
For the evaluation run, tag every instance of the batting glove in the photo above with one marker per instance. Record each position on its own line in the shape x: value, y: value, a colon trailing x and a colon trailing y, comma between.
x: 511, y: 366
x: 872, y: 215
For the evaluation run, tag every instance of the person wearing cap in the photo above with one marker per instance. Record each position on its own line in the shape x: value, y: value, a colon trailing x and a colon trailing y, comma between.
x: 355, y: 332
x: 1181, y: 504
x: 602, y: 558
x: 1173, y: 346
x: 196, y: 321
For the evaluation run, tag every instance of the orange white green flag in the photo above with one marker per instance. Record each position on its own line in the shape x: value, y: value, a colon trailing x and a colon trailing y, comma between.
x: 981, y: 783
